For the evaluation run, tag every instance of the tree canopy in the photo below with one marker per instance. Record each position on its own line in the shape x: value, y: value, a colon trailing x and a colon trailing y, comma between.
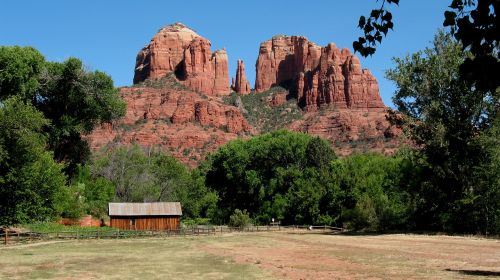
x: 149, y: 175
x: 32, y: 185
x: 445, y: 117
x: 73, y: 99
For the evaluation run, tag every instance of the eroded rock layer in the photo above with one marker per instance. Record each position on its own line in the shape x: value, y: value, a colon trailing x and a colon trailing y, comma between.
x: 181, y: 122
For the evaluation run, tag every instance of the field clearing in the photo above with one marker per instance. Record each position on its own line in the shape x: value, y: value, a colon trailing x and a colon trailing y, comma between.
x: 268, y: 255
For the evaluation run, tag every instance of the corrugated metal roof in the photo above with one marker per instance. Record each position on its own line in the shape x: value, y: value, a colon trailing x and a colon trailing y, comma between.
x: 145, y: 209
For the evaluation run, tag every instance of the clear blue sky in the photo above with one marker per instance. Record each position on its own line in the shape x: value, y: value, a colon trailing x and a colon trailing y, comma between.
x: 107, y: 35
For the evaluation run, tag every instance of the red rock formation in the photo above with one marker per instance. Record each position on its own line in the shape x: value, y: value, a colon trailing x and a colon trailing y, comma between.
x: 181, y: 122
x: 323, y: 76
x: 178, y: 49
x: 164, y: 53
x: 189, y: 125
x: 277, y: 99
x: 203, y: 71
x: 351, y: 129
x: 241, y: 84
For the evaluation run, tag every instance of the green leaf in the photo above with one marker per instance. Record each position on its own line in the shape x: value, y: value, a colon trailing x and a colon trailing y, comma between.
x: 449, y: 18
x: 362, y: 21
x: 375, y: 13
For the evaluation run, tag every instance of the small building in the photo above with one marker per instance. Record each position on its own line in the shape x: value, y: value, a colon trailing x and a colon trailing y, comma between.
x: 145, y: 216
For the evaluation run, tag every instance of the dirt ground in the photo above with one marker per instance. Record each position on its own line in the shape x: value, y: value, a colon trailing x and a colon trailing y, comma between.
x: 319, y: 256
x: 280, y: 255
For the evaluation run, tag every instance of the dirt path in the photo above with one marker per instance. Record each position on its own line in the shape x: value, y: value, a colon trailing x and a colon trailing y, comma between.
x: 318, y: 256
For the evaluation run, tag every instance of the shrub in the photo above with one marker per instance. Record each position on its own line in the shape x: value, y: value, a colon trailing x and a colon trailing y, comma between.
x: 240, y: 219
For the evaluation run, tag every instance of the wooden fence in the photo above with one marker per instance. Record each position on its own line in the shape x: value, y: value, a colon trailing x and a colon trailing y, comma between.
x: 25, y: 237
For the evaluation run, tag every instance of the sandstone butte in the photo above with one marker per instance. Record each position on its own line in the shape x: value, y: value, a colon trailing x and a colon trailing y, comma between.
x: 178, y: 49
x: 322, y: 75
x: 177, y: 105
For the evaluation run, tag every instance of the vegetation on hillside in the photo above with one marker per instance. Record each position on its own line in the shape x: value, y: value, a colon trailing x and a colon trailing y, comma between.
x: 260, y: 114
x: 169, y: 81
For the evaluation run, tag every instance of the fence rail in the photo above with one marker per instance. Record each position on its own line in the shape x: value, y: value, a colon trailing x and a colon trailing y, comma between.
x: 25, y: 237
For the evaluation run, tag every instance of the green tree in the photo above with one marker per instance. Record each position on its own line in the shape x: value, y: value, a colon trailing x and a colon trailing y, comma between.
x: 273, y: 176
x: 373, y: 191
x: 32, y: 185
x: 486, y: 195
x: 319, y: 153
x: 73, y: 99
x: 92, y: 192
x: 474, y: 23
x: 130, y: 171
x: 19, y: 72
x: 149, y: 175
x: 445, y: 117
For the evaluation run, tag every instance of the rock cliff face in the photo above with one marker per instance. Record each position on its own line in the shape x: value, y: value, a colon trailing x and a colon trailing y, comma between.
x: 351, y: 130
x: 182, y: 122
x: 178, y: 49
x: 164, y: 53
x: 322, y: 76
x: 177, y: 101
x: 241, y: 84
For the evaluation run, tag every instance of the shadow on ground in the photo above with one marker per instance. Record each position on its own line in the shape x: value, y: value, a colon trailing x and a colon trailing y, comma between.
x: 475, y: 272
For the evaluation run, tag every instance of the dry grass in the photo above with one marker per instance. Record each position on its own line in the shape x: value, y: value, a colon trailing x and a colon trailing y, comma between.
x: 172, y: 258
x: 258, y: 256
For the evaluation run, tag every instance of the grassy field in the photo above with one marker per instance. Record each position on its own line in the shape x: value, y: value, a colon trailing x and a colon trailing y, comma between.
x: 283, y: 255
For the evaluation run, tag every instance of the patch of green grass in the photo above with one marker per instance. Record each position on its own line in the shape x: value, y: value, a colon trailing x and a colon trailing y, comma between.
x: 186, y: 152
x: 47, y: 227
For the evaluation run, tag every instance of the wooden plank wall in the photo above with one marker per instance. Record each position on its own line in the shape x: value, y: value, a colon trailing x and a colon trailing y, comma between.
x: 146, y: 223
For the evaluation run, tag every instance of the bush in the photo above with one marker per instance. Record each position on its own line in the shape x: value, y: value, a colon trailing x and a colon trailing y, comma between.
x: 240, y: 219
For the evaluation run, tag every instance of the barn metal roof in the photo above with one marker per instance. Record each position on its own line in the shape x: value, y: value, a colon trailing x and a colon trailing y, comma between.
x: 145, y: 209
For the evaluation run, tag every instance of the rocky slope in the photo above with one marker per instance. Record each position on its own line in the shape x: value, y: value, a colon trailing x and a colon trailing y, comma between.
x: 174, y: 118
x: 181, y: 100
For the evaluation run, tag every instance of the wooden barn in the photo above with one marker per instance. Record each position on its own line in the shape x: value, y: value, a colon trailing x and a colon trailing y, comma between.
x: 145, y: 216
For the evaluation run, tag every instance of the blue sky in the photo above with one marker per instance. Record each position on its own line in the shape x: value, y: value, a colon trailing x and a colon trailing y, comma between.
x: 107, y: 35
